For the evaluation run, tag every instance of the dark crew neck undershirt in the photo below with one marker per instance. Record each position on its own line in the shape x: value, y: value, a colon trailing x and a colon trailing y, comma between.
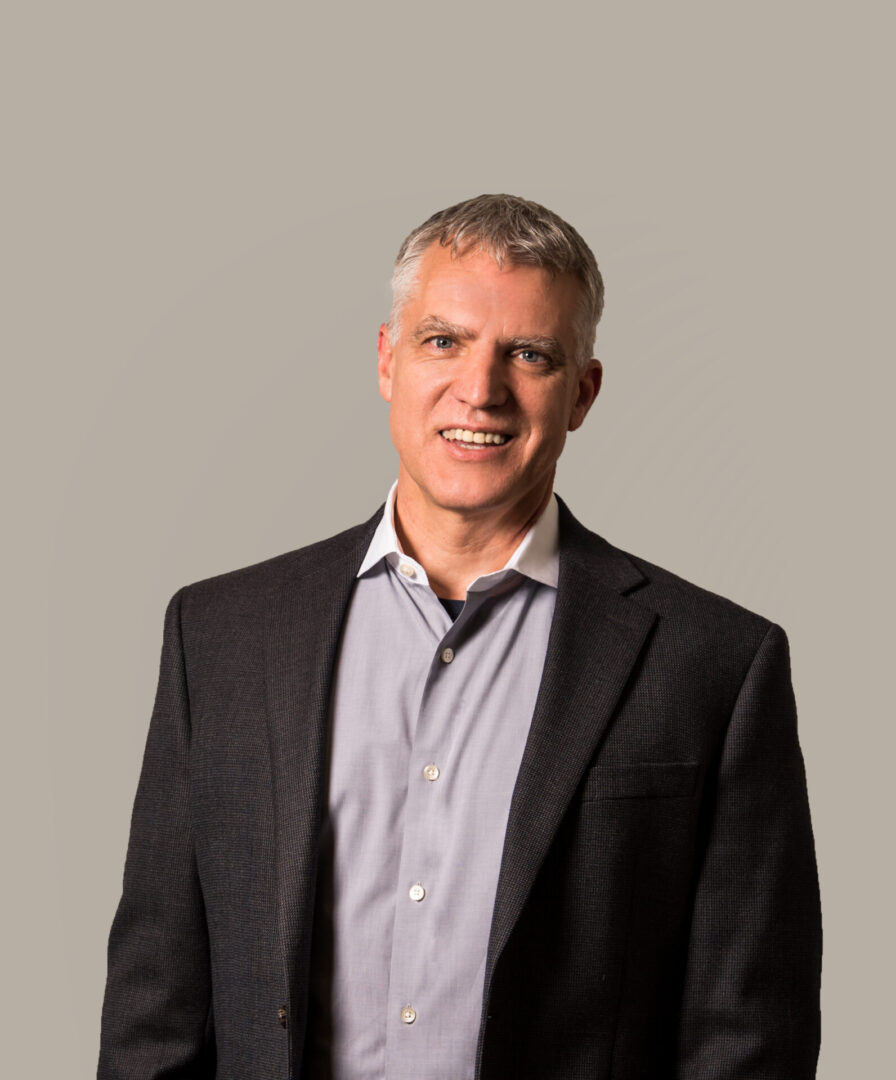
x: 453, y: 607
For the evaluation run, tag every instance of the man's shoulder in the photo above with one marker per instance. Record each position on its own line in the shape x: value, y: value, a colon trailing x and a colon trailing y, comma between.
x: 673, y: 597
x: 247, y: 585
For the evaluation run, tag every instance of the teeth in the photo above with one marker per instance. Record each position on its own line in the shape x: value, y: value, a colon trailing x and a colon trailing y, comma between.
x: 474, y: 438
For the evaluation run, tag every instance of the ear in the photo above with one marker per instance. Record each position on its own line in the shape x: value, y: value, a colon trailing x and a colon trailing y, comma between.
x: 384, y: 362
x: 589, y: 382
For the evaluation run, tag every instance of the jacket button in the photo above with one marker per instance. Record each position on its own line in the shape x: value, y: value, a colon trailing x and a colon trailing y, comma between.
x: 281, y: 1016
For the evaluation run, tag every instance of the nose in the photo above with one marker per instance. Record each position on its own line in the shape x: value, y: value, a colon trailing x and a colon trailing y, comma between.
x: 480, y: 381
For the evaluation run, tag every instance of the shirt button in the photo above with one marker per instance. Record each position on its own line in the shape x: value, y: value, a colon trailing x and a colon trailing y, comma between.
x: 447, y: 655
x: 431, y: 772
x: 408, y: 570
x: 408, y: 1015
x: 417, y: 892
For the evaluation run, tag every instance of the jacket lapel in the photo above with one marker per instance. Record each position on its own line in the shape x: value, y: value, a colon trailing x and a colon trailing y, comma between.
x: 303, y: 623
x: 596, y: 637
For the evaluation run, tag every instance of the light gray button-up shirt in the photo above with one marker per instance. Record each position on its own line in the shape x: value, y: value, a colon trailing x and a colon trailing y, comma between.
x: 429, y: 720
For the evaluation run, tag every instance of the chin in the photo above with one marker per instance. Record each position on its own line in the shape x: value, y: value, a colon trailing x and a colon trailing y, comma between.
x: 473, y: 500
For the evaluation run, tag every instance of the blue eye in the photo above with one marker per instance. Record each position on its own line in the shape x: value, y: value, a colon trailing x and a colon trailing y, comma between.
x: 441, y: 341
x: 530, y: 356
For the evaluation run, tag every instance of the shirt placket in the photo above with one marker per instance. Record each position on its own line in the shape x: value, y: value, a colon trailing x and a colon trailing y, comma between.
x: 421, y: 890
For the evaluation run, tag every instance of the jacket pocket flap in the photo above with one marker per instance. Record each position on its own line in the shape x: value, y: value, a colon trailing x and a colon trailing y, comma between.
x: 642, y: 780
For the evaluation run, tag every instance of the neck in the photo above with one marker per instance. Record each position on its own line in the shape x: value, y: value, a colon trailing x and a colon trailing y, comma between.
x: 456, y: 546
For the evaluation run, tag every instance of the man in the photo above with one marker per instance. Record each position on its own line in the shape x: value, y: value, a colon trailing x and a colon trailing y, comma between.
x: 466, y: 791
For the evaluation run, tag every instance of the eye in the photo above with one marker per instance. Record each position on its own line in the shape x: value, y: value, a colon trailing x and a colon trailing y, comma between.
x: 531, y: 356
x: 441, y: 342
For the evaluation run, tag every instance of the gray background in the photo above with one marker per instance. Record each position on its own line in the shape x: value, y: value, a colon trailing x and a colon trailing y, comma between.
x: 202, y: 205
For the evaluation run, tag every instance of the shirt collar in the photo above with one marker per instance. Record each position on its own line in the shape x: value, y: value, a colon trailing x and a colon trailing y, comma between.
x: 536, y: 556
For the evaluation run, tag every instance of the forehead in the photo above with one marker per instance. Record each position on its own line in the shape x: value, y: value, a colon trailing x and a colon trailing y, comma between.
x: 472, y: 286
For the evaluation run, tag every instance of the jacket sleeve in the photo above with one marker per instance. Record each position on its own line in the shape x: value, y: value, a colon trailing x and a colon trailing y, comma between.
x: 750, y: 1007
x: 157, y: 1008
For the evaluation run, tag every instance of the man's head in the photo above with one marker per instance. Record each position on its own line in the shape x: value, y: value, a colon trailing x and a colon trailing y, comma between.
x: 486, y: 358
x: 513, y: 232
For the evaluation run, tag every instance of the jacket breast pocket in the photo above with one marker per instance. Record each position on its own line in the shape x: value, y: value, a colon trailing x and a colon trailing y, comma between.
x: 642, y: 780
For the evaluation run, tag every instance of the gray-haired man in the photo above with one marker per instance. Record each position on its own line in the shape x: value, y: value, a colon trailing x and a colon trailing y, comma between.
x: 466, y: 791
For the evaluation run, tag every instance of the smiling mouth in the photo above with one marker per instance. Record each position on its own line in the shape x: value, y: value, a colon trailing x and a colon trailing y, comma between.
x: 474, y: 439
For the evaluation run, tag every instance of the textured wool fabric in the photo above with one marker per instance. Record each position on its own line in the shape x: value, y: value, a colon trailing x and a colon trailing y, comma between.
x: 656, y: 914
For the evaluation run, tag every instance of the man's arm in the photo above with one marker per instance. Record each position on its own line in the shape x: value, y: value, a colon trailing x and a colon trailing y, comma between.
x: 157, y: 1009
x: 750, y: 1006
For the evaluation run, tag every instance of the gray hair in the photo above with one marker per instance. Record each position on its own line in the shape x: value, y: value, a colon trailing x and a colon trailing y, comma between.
x: 512, y: 231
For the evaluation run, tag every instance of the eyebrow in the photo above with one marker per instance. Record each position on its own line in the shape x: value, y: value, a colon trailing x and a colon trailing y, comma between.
x: 433, y: 324
x: 550, y: 346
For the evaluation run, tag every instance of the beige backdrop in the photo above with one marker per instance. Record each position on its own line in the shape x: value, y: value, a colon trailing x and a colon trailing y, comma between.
x: 202, y: 204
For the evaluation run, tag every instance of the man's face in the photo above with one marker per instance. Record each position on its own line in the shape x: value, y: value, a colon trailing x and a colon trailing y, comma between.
x: 491, y: 352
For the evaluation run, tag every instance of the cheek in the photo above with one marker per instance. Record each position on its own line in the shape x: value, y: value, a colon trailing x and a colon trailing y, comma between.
x: 552, y: 420
x: 410, y: 409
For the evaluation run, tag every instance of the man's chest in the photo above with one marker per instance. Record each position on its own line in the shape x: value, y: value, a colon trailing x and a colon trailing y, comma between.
x: 428, y: 724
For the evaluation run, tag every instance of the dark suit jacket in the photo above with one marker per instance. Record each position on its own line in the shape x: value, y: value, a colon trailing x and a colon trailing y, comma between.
x: 657, y: 913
